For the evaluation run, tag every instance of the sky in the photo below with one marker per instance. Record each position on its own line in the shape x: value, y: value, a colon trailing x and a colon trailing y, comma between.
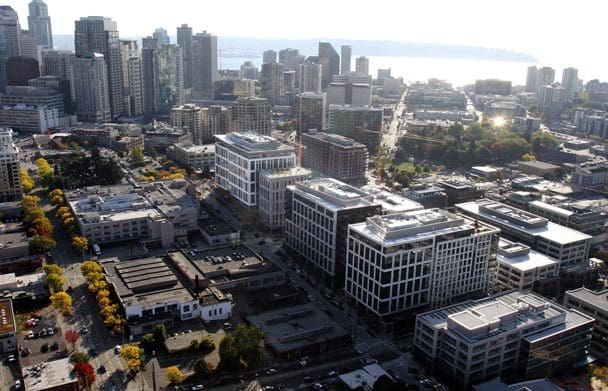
x: 560, y: 31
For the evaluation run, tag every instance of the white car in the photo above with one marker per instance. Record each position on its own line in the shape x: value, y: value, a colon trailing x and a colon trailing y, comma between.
x: 117, y: 349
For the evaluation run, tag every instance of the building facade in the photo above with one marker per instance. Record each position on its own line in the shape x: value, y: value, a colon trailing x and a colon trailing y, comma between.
x: 310, y: 111
x: 272, y: 189
x: 92, y: 91
x: 594, y: 304
x: 10, y: 178
x: 252, y: 115
x: 204, y: 65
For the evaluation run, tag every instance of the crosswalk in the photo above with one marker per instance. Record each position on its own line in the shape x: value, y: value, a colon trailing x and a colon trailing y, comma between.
x: 393, y: 364
x: 375, y: 347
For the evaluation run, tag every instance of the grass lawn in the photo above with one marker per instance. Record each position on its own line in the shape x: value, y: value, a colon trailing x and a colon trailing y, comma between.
x: 406, y: 166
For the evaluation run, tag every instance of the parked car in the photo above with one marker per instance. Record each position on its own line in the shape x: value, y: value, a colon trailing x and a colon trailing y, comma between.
x: 227, y: 326
x: 271, y: 371
x: 49, y: 331
x: 44, y: 348
x: 43, y: 333
x: 198, y: 387
x: 55, y: 346
x: 117, y: 349
x: 11, y: 358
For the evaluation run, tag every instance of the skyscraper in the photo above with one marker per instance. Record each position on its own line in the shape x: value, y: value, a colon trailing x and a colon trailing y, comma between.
x: 290, y: 58
x: 148, y: 80
x: 9, y: 24
x: 330, y: 60
x: 161, y: 36
x: 346, y: 54
x: 59, y: 63
x: 132, y: 77
x: 271, y: 80
x: 252, y: 115
x: 28, y: 43
x: 191, y: 118
x: 96, y: 34
x: 531, y: 78
x: 20, y: 69
x: 546, y: 77
x: 204, y: 65
x: 163, y: 77
x: 184, y: 40
x: 248, y: 71
x: 269, y: 56
x: 362, y: 65
x: 570, y: 81
x: 39, y: 23
x: 10, y: 180
x: 92, y: 91
x: 310, y: 77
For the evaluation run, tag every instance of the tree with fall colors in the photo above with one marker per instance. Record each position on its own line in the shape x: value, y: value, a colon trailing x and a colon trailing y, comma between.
x: 27, y: 183
x: 63, y: 302
x: 72, y: 337
x: 41, y: 226
x: 90, y: 267
x: 132, y: 355
x: 40, y: 244
x: 174, y: 375
x: 80, y: 243
x: 85, y: 373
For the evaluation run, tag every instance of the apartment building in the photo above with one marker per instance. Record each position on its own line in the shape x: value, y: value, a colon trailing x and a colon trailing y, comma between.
x: 564, y: 244
x: 506, y: 334
x: 272, y: 187
x: 520, y: 267
x: 317, y: 215
x: 594, y: 304
x: 399, y: 262
x: 239, y: 158
x: 29, y: 118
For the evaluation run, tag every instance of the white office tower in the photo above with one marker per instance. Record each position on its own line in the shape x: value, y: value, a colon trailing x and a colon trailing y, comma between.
x: 10, y: 180
x: 272, y: 189
x: 355, y: 94
x: 239, y: 159
x: 414, y: 259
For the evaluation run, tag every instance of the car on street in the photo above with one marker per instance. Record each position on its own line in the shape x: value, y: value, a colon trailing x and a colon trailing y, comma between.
x: 117, y: 349
x: 84, y: 330
x: 18, y: 385
x: 43, y: 333
x: 30, y: 335
x: 271, y: 371
x: 55, y: 346
x: 307, y: 379
x: 101, y: 369
x: 332, y: 373
x: 25, y: 352
x: 198, y: 387
x: 49, y: 331
x: 227, y: 326
x: 11, y: 358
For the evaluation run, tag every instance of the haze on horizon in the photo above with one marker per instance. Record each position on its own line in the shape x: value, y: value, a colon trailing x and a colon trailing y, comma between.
x: 559, y: 33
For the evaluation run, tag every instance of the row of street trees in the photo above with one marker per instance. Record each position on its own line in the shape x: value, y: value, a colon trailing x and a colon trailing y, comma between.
x: 93, y: 274
x: 39, y: 227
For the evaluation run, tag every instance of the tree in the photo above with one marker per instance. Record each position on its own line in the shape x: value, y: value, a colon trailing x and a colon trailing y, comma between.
x: 55, y: 282
x: 160, y: 334
x: 90, y: 267
x: 85, y: 373
x: 132, y: 355
x: 99, y: 287
x: 79, y: 357
x: 41, y: 244
x: 72, y: 337
x: 63, y: 302
x: 229, y: 354
x: 41, y: 226
x: 45, y: 171
x: 74, y: 146
x: 26, y: 181
x: 61, y: 211
x: 543, y: 141
x: 137, y: 155
x: 174, y: 375
x: 148, y: 340
x: 80, y: 243
x: 528, y: 157
x: 151, y: 152
x: 250, y: 341
x: 202, y: 368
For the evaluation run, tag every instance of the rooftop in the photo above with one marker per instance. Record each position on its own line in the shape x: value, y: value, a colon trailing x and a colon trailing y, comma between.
x: 391, y: 202
x: 296, y: 327
x: 335, y: 139
x: 49, y: 375
x: 250, y: 142
x: 191, y: 148
x: 332, y: 193
x: 363, y: 378
x: 287, y: 172
x: 592, y: 298
x: 540, y: 165
x: 7, y: 320
x: 521, y: 257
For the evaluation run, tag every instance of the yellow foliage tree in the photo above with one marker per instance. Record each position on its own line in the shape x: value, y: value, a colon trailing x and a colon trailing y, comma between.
x: 88, y: 267
x: 528, y: 157
x: 61, y: 211
x: 174, y: 375
x: 98, y: 287
x: 93, y: 277
x: 131, y: 355
x: 79, y: 243
x: 63, y: 302
x: 26, y: 181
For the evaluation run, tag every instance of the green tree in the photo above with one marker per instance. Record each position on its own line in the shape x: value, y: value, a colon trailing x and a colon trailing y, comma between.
x: 137, y: 155
x: 543, y: 141
x: 229, y: 354
x: 250, y: 341
x: 202, y: 368
x: 148, y: 340
x: 79, y: 357
x: 160, y: 334
x: 151, y: 152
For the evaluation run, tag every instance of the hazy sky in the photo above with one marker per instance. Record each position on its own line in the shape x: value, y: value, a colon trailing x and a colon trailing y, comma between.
x: 562, y: 31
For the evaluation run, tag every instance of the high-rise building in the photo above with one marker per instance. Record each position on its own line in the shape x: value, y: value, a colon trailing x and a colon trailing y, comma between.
x: 290, y: 58
x: 184, y: 40
x: 191, y: 118
x: 269, y: 56
x: 398, y: 262
x: 219, y: 121
x: 252, y: 115
x: 272, y: 188
x: 149, y: 42
x: 148, y: 78
x: 546, y: 77
x: 60, y: 85
x: 239, y: 159
x: 492, y: 87
x: 161, y: 36
x: 362, y: 65
x: 34, y: 96
x: 310, y: 111
x: 92, y: 89
x: 39, y: 23
x: 10, y: 179
x: 531, y: 78
x: 271, y: 81
x: 20, y: 69
x: 514, y: 333
x: 355, y: 94
x: 335, y: 156
x: 29, y: 45
x: 384, y: 73
x: 551, y: 99
x: 204, y: 65
x: 330, y: 60
x: 9, y: 24
x: 346, y: 53
x: 310, y: 77
x: 59, y: 63
x: 162, y: 78
x: 317, y: 215
x: 362, y: 124
x: 132, y: 78
x: 96, y: 34
x: 570, y: 82
x: 248, y: 71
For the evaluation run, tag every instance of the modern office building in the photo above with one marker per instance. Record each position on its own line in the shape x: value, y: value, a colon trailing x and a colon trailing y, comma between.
x: 290, y: 58
x: 195, y: 157
x: 20, y: 69
x: 310, y: 77
x: 310, y: 111
x: 362, y: 124
x: 272, y: 188
x: 531, y: 78
x: 161, y: 36
x: 594, y: 304
x: 252, y: 115
x: 59, y: 63
x: 567, y: 246
x: 239, y: 159
x: 39, y: 23
x: 155, y: 214
x: 330, y: 61
x: 355, y: 94
x: 9, y: 24
x: 204, y: 65
x: 29, y: 45
x: 546, y: 77
x: 362, y: 65
x: 591, y: 221
x: 34, y: 96
x: 492, y: 87
x: 513, y: 333
x: 92, y: 90
x: 190, y: 118
x: 96, y: 34
x: 346, y: 54
x: 520, y: 267
x: 10, y: 178
x: 184, y: 40
x: 29, y: 118
x: 335, y: 156
x: 427, y: 97
x: 61, y: 86
x: 431, y: 257
x: 317, y: 215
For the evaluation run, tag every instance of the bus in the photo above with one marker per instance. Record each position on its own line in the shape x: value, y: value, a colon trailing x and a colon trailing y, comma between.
x: 96, y: 250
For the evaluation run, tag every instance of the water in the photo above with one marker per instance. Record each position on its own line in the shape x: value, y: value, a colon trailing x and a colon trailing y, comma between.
x: 457, y: 71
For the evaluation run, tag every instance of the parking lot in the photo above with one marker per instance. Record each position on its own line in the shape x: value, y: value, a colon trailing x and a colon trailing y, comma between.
x: 42, y: 342
x: 9, y: 373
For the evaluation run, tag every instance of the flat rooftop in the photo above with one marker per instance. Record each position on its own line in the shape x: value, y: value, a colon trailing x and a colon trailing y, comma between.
x: 521, y: 257
x: 253, y: 142
x: 332, y: 194
x: 521, y: 221
x: 191, y: 148
x: 595, y: 299
x: 555, y: 210
x: 48, y: 375
x: 214, y: 226
x: 540, y: 165
x: 7, y: 317
x: 296, y: 327
x: 391, y: 202
x: 287, y: 172
x: 335, y: 139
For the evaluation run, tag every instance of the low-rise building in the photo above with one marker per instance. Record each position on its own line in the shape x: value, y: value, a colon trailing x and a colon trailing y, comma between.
x: 24, y: 287
x: 14, y: 245
x: 216, y: 232
x: 196, y: 157
x: 524, y: 124
x: 595, y: 304
x: 506, y: 334
x: 564, y: 244
x: 575, y: 215
x: 391, y: 202
x: 538, y: 168
x: 54, y: 375
x: 429, y: 196
x: 272, y: 187
x: 519, y: 267
x: 461, y: 191
x: 590, y: 174
x: 8, y: 327
x: 164, y: 136
x: 29, y: 118
x: 399, y: 262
